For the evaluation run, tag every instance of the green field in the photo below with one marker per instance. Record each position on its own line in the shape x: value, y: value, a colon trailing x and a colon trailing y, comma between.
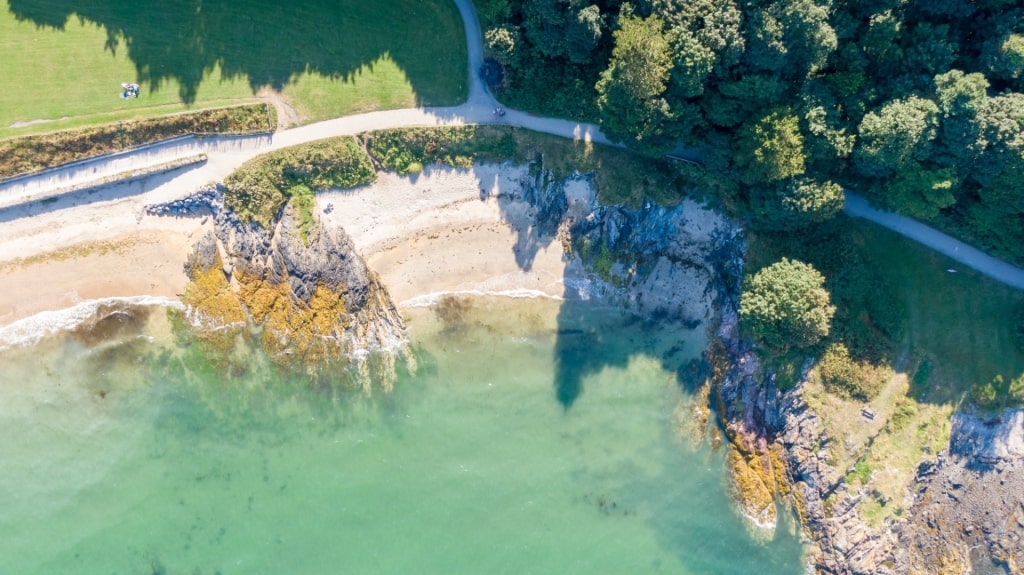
x: 961, y: 323
x: 64, y: 61
x: 899, y: 306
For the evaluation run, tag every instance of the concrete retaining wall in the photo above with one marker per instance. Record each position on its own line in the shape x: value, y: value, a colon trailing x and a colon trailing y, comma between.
x: 74, y: 175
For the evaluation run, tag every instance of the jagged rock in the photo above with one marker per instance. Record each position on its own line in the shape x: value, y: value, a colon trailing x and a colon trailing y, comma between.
x: 312, y: 295
x: 968, y: 509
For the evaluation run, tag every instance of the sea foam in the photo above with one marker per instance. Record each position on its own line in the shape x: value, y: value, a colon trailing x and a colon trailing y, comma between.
x: 31, y: 330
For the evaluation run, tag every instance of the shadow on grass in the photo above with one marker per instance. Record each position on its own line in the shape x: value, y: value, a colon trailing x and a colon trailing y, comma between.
x: 901, y: 304
x: 271, y: 43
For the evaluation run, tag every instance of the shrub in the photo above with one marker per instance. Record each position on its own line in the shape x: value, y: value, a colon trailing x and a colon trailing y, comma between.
x: 999, y: 393
x: 260, y: 188
x: 861, y: 472
x: 33, y: 153
x: 786, y: 305
x: 1018, y: 327
x: 841, y: 375
x: 905, y: 410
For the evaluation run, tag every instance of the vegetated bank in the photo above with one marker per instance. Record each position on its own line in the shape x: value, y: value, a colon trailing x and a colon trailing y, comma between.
x: 30, y: 154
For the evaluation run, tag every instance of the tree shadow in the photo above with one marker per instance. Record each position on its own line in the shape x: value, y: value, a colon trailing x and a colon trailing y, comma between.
x: 597, y: 326
x: 268, y: 43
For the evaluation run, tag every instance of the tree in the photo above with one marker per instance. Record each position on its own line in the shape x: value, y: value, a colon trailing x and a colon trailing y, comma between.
x: 790, y: 37
x: 1004, y: 59
x: 995, y: 207
x: 960, y: 97
x: 922, y: 192
x: 900, y: 133
x: 771, y: 148
x: 1000, y: 170
x: 568, y: 29
x: 786, y: 305
x: 795, y: 204
x: 959, y: 94
x: 715, y: 24
x: 692, y: 64
x: 928, y: 50
x: 503, y: 42
x: 631, y: 91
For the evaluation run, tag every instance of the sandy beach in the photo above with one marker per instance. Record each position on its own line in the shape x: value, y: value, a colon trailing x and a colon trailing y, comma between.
x: 443, y: 230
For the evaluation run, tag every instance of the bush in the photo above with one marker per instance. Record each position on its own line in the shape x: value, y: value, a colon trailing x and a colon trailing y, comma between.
x: 34, y: 153
x: 259, y: 189
x: 408, y: 150
x: 1018, y: 327
x: 999, y: 393
x: 904, y: 412
x: 861, y: 472
x: 841, y: 375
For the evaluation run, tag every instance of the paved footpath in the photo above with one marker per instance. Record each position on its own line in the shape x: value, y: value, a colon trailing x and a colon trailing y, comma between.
x: 996, y: 269
x: 478, y: 109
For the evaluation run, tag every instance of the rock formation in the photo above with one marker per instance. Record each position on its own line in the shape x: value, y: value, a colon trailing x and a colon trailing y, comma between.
x: 312, y: 301
x: 968, y: 507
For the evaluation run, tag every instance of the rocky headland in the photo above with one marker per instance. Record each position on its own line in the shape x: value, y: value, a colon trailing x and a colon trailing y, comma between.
x: 308, y: 298
x: 967, y: 505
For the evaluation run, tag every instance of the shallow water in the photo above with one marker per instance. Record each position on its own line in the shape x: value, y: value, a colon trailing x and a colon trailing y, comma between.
x: 119, y: 459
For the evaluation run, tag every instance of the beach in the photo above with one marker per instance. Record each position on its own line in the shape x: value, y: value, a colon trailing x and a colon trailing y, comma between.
x: 445, y: 230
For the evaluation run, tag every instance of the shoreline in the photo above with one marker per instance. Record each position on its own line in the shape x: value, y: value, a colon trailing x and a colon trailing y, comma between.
x: 439, y: 232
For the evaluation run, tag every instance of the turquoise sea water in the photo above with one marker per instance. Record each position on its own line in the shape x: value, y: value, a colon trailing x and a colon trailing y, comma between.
x: 534, y: 437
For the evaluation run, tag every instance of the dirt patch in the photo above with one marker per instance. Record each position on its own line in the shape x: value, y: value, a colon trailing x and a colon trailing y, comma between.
x: 34, y: 122
x: 286, y: 114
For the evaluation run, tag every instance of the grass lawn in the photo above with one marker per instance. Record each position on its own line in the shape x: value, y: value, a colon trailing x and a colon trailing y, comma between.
x: 959, y: 322
x: 64, y: 60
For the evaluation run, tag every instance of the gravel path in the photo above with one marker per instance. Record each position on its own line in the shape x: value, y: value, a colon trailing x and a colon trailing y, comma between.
x: 996, y: 269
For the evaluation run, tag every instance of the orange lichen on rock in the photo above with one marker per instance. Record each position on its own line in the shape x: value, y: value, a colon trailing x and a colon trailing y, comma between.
x: 312, y: 330
x: 209, y: 295
x: 753, y: 485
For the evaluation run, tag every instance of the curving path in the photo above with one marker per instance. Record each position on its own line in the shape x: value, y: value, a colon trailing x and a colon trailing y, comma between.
x: 478, y: 109
x: 974, y: 258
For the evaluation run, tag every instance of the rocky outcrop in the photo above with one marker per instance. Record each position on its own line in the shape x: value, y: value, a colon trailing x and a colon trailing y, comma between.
x: 967, y: 514
x: 668, y: 263
x: 306, y: 293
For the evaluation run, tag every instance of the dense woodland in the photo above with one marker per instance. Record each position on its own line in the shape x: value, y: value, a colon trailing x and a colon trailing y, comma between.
x: 916, y: 104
